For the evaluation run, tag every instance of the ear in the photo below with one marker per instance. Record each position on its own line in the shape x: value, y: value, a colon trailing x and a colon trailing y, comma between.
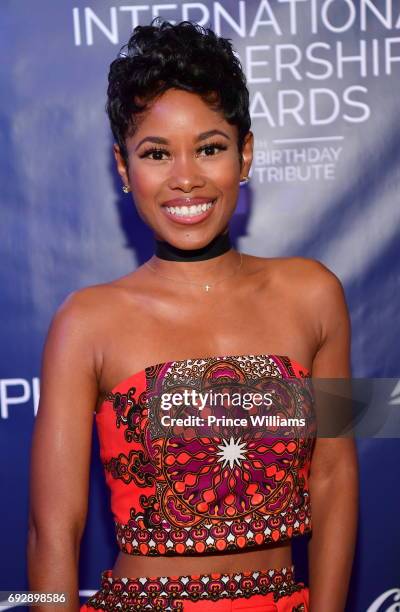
x: 121, y: 166
x: 247, y: 153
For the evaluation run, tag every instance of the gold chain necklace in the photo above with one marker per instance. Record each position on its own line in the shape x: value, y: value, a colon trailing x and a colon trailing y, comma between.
x: 206, y: 286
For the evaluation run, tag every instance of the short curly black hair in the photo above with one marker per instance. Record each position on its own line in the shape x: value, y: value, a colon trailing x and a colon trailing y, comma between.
x: 185, y: 56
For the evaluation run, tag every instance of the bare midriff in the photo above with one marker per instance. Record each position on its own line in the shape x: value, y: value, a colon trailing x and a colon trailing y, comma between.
x: 266, y: 557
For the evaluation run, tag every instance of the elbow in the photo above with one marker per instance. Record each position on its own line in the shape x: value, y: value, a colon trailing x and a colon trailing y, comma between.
x: 32, y: 536
x: 342, y: 481
x: 335, y: 464
x: 50, y: 539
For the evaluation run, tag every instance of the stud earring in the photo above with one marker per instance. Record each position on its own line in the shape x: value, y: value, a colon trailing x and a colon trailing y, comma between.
x: 126, y: 189
x: 245, y: 179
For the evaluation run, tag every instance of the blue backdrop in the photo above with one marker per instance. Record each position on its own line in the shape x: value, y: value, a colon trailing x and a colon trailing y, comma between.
x: 323, y: 77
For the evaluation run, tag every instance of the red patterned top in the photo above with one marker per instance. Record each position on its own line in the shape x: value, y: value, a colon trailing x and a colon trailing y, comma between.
x: 206, y: 489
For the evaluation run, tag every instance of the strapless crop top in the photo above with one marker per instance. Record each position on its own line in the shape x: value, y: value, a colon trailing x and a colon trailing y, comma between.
x: 206, y: 493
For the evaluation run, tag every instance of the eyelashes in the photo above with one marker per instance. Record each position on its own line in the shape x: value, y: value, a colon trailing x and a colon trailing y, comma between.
x: 211, y: 145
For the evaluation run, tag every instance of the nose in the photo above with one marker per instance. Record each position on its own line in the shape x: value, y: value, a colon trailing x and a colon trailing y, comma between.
x: 185, y: 174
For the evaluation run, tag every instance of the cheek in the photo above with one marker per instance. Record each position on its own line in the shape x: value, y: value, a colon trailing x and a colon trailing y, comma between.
x: 144, y: 183
x: 145, y: 190
x: 227, y: 177
x: 227, y: 174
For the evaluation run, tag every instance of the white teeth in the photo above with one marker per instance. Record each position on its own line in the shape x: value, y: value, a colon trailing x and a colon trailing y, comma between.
x: 189, y: 211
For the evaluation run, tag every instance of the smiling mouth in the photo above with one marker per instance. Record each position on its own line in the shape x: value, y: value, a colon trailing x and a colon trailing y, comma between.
x: 190, y: 211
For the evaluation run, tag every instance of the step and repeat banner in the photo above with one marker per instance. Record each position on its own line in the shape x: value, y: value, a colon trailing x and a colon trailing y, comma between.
x: 324, y: 81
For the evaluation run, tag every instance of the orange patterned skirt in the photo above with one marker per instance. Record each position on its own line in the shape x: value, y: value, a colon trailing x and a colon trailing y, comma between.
x: 270, y: 590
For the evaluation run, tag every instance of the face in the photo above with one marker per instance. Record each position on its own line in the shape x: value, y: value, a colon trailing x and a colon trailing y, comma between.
x: 184, y: 169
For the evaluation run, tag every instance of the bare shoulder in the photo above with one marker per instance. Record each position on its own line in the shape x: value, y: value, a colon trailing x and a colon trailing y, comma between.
x: 314, y: 289
x: 77, y: 314
x: 90, y: 296
x: 310, y: 276
x: 299, y: 271
x: 319, y: 287
x: 324, y: 295
x: 80, y: 304
x: 74, y: 348
x: 77, y: 323
x: 310, y: 270
x: 71, y: 341
x: 94, y: 304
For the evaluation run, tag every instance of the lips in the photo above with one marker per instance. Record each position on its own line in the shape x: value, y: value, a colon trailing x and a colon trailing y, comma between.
x: 188, y: 210
x: 188, y: 201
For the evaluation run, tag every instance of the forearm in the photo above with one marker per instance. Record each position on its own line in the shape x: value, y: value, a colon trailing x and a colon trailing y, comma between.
x: 334, y: 503
x: 53, y: 568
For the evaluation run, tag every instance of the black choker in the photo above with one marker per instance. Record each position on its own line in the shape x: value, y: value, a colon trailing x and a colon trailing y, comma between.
x: 219, y: 245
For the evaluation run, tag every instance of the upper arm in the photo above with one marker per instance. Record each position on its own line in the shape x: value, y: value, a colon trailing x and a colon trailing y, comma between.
x: 61, y: 445
x: 332, y: 455
x: 332, y: 359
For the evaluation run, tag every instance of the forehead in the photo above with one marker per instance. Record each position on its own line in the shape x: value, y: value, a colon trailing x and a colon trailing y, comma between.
x: 178, y: 110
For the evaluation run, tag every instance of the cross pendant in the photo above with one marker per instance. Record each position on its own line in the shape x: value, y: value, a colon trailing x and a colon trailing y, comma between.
x: 207, y: 287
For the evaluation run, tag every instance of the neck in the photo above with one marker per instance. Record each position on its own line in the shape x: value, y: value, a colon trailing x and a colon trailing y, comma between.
x: 218, y: 246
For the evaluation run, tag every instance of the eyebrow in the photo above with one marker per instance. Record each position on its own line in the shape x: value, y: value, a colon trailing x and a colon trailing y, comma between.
x: 202, y: 136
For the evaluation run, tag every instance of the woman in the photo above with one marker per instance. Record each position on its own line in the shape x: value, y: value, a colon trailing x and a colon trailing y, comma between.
x: 194, y: 519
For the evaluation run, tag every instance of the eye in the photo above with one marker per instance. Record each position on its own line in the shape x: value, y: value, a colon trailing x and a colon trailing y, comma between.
x: 158, y: 151
x: 155, y: 150
x: 213, y: 145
